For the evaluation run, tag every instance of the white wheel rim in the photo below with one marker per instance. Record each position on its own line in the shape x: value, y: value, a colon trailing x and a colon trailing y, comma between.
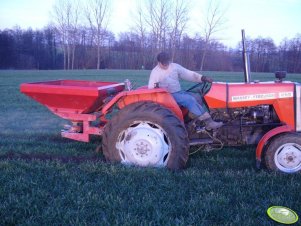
x: 288, y: 158
x: 144, y: 144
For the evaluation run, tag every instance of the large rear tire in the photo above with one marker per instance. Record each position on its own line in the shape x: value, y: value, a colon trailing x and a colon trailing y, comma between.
x: 284, y: 153
x: 146, y: 134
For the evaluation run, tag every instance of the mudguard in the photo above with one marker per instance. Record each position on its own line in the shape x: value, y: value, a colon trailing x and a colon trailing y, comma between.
x: 268, y: 136
x: 159, y: 95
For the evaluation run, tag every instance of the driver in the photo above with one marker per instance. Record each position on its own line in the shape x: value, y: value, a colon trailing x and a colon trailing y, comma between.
x: 166, y: 75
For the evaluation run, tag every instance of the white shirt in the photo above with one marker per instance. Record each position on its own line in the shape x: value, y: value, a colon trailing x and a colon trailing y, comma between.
x: 169, y: 78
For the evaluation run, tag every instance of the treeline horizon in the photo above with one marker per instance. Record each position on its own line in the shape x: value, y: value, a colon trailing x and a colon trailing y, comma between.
x: 41, y: 49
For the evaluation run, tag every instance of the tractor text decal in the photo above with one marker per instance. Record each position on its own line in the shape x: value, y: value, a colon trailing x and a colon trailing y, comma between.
x: 286, y: 94
x: 263, y: 96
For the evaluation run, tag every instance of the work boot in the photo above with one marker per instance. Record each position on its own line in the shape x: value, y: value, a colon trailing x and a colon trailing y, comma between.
x: 209, y: 123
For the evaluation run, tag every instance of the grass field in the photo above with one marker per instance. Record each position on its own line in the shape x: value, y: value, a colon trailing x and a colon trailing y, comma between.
x: 218, y: 188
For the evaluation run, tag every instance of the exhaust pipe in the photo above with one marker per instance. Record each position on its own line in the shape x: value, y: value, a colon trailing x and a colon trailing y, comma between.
x: 245, y: 56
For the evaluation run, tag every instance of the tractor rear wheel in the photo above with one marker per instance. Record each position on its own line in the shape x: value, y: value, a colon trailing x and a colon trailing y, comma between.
x: 146, y: 134
x: 284, y: 153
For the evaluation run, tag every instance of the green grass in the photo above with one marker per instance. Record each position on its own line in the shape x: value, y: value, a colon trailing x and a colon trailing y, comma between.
x: 218, y: 188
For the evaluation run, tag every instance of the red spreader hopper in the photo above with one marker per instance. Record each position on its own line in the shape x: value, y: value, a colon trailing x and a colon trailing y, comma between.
x: 72, y: 96
x: 74, y: 100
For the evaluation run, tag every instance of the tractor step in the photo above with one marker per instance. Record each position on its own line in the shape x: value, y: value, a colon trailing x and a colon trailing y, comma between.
x: 195, y: 142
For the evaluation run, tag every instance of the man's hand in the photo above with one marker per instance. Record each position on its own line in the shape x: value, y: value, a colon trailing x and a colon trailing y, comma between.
x: 207, y: 79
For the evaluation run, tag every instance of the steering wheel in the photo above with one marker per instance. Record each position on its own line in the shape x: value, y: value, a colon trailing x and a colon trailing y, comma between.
x: 203, y: 88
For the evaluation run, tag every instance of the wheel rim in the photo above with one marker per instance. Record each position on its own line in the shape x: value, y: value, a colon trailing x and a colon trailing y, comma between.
x: 144, y: 144
x: 288, y: 158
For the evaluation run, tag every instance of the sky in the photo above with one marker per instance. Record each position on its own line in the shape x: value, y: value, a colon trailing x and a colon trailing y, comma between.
x: 276, y: 19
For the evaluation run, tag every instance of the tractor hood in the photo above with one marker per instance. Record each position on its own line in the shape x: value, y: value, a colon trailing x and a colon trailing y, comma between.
x: 283, y: 96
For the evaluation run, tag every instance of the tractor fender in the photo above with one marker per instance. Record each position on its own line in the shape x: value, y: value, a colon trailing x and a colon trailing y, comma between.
x: 158, y: 95
x: 268, y: 136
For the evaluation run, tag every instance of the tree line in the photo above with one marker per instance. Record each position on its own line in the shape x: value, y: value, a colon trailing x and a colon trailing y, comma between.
x: 79, y: 38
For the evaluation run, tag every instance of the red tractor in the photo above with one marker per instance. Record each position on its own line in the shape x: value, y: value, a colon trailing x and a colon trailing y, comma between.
x: 146, y: 127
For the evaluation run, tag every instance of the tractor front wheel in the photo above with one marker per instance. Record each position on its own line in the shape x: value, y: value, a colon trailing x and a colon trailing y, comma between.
x: 284, y: 153
x: 146, y: 134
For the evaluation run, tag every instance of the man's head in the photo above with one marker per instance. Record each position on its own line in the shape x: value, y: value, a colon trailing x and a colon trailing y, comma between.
x: 163, y: 59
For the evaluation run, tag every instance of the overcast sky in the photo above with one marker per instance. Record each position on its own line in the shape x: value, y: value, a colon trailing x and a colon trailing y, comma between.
x: 277, y: 19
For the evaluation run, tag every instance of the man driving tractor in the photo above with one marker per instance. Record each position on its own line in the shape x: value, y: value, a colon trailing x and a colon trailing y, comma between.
x: 166, y: 75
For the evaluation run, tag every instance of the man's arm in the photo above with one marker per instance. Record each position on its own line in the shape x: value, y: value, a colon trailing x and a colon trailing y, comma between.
x: 152, y: 80
x: 188, y: 75
x: 192, y: 76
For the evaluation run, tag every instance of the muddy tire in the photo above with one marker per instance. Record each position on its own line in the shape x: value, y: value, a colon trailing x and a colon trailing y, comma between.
x: 284, y: 154
x: 146, y: 134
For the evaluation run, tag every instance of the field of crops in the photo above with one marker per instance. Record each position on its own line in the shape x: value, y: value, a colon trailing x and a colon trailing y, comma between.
x: 49, y: 180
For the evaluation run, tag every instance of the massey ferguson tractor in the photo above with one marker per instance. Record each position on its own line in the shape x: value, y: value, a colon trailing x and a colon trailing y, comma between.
x: 146, y: 127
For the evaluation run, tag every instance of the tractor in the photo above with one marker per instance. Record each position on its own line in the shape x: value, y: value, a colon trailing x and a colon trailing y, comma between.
x: 146, y: 127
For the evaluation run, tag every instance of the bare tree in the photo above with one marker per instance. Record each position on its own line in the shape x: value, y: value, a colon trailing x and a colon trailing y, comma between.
x: 157, y: 17
x: 262, y: 51
x: 163, y: 21
x: 60, y: 24
x: 140, y: 30
x: 66, y: 21
x: 97, y: 13
x: 213, y: 23
x: 74, y: 29
x: 152, y: 24
x: 179, y: 19
x: 295, y: 52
